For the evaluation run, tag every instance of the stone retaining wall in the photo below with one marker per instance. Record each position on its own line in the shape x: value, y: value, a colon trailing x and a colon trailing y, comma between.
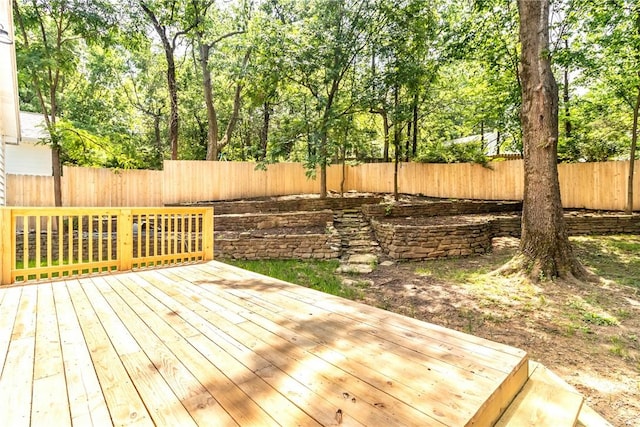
x: 261, y: 221
x: 401, y: 241
x: 578, y: 224
x: 249, y: 245
x: 463, y: 238
x: 293, y: 205
x: 440, y: 208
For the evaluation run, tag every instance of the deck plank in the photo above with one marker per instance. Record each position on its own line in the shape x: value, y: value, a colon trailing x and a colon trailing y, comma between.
x: 126, y: 407
x: 9, y: 310
x: 153, y: 335
x: 244, y: 366
x: 16, y: 381
x: 211, y: 344
x: 312, y: 370
x: 87, y: 404
x: 49, y: 403
x: 443, y: 385
x: 163, y: 405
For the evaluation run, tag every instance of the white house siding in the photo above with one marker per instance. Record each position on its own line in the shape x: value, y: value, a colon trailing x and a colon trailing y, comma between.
x: 28, y: 159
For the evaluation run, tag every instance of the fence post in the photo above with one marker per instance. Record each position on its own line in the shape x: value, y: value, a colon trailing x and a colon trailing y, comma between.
x: 125, y: 239
x: 7, y: 248
x: 207, y: 234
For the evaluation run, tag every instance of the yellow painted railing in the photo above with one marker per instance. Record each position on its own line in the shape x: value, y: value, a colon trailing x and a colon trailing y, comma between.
x: 51, y: 243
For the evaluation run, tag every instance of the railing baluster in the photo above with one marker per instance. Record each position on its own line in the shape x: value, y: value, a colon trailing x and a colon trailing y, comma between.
x: 146, y: 234
x: 38, y: 255
x: 25, y: 242
x: 100, y: 240
x: 60, y: 225
x: 49, y: 262
x: 80, y: 241
x: 90, y: 238
x: 70, y: 239
x: 172, y: 236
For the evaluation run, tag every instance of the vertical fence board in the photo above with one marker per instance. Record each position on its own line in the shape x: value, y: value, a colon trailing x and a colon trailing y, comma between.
x: 582, y: 185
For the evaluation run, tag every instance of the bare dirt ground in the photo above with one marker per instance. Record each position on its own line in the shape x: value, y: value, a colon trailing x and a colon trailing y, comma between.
x: 588, y: 334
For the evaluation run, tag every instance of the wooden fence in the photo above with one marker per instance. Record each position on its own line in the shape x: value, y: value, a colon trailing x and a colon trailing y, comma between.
x: 47, y: 243
x: 582, y: 185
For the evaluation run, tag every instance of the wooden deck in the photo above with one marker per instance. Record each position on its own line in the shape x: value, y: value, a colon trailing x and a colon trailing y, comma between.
x: 213, y: 345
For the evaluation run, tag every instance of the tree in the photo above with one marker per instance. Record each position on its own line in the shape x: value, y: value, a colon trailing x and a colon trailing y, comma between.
x: 51, y: 33
x: 207, y: 29
x: 166, y: 21
x: 545, y: 250
x: 324, y: 46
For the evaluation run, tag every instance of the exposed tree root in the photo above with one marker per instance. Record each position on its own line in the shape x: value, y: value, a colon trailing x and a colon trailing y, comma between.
x: 538, y: 271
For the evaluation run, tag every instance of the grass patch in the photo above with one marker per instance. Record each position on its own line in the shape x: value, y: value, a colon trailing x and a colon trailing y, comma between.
x: 319, y: 275
x: 612, y: 257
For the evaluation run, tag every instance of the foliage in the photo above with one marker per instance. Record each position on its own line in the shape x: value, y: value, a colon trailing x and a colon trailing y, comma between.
x: 438, y: 152
x: 326, y: 80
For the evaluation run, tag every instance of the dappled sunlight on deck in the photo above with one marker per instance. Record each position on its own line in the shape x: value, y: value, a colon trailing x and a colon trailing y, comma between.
x: 210, y: 344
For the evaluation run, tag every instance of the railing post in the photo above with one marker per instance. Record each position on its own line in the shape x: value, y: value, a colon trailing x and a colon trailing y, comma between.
x: 7, y: 248
x: 125, y: 240
x: 207, y: 234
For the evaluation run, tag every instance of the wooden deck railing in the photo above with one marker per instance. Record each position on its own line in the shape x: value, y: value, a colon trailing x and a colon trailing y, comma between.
x: 50, y: 243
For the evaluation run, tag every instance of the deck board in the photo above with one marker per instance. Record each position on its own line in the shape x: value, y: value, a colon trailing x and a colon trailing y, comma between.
x: 210, y: 344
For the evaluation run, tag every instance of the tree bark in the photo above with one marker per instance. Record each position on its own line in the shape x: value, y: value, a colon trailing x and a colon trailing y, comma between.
x: 632, y: 155
x: 634, y: 139
x: 172, y: 84
x: 545, y: 251
x: 212, y: 119
x: 264, y: 130
x: 414, y: 148
x: 396, y: 143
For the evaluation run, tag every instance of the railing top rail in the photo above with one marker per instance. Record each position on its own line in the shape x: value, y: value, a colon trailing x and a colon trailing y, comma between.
x: 68, y: 211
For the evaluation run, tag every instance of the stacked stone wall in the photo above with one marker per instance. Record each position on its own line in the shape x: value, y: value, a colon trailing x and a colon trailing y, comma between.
x: 440, y: 208
x: 293, y: 205
x: 249, y: 245
x: 261, y: 221
x: 438, y: 241
x: 578, y: 224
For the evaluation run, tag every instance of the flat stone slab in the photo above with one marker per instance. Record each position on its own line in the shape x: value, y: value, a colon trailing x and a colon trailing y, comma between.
x: 355, y: 269
x: 362, y: 259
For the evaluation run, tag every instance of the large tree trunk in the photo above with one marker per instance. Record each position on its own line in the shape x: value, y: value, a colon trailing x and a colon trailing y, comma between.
x: 545, y: 251
x: 212, y: 119
x: 632, y: 155
x: 414, y: 148
x: 396, y: 143
x: 172, y: 83
x: 264, y: 131
x: 173, y: 96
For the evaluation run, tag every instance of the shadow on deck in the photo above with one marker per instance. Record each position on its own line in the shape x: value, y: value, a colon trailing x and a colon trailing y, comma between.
x: 213, y: 345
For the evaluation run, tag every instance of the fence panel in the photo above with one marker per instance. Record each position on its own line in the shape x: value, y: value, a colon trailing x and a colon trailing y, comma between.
x: 30, y: 190
x: 582, y: 185
x: 106, y: 187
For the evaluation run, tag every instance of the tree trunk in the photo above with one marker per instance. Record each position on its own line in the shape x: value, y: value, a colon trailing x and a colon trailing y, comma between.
x: 545, y: 251
x: 396, y: 143
x: 632, y: 155
x: 172, y: 83
x: 414, y: 148
x: 264, y: 130
x: 323, y: 164
x: 385, y: 124
x: 565, y: 101
x: 212, y: 119
x: 173, y: 96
